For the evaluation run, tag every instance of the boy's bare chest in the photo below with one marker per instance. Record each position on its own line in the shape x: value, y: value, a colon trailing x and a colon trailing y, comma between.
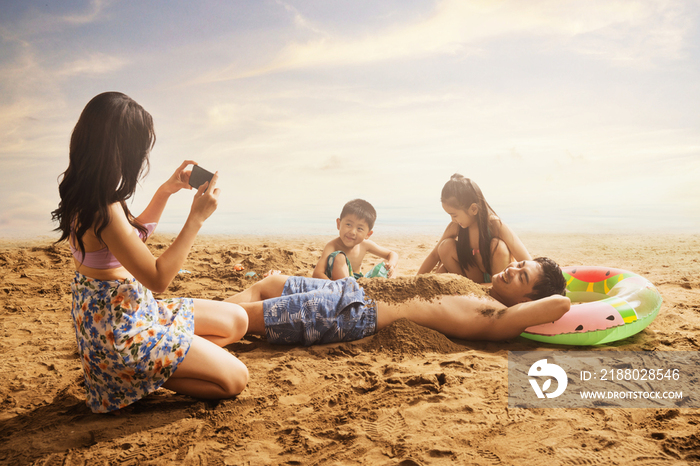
x: 354, y: 255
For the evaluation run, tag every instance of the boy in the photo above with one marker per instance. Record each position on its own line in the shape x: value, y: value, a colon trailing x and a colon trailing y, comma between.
x: 355, y: 226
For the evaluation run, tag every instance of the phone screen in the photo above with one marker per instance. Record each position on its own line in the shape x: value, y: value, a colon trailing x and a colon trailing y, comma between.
x: 199, y: 176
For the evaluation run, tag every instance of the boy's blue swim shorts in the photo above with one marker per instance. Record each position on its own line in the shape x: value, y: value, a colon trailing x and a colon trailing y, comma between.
x: 313, y: 311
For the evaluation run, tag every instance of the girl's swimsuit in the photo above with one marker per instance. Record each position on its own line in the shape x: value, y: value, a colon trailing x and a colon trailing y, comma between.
x: 129, y: 342
x: 487, y: 276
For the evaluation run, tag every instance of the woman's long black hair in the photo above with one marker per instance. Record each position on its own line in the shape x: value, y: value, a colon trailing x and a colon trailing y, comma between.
x: 461, y: 193
x: 109, y: 151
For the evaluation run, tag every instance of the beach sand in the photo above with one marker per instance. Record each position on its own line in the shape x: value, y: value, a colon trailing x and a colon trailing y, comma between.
x: 407, y: 395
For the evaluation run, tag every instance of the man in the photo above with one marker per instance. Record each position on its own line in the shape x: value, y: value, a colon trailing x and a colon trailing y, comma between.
x: 292, y: 310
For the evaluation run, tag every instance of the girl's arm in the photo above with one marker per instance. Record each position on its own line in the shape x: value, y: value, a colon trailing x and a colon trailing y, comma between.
x: 127, y: 247
x: 433, y: 258
x: 390, y: 257
x: 515, y: 246
x: 179, y: 180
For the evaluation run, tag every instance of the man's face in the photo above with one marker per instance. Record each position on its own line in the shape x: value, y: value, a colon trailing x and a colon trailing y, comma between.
x: 353, y: 230
x: 516, y: 282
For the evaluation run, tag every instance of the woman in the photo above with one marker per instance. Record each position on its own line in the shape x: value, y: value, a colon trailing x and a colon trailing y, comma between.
x: 131, y: 344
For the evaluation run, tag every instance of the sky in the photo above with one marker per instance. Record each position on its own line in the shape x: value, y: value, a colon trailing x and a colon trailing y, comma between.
x: 572, y: 116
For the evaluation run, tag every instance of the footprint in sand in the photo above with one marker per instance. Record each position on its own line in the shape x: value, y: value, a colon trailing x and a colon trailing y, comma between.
x: 386, y: 427
x: 683, y: 448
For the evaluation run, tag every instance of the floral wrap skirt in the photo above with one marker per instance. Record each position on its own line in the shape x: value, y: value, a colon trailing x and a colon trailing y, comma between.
x: 129, y: 342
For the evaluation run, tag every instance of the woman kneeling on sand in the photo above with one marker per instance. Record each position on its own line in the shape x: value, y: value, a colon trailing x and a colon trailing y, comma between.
x: 130, y: 343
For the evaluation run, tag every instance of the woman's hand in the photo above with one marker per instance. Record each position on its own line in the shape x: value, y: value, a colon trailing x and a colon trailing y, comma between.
x: 205, y: 200
x: 180, y: 179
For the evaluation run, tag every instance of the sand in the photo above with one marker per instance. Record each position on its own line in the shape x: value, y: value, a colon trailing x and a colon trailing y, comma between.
x: 407, y: 395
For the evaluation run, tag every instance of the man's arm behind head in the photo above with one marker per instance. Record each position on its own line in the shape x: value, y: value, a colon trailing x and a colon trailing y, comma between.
x: 514, y: 320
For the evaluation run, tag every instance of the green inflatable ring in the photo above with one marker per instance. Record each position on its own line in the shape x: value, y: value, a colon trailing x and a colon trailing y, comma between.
x: 608, y: 305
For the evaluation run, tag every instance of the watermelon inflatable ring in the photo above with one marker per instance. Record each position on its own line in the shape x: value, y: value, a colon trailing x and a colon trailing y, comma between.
x: 607, y: 305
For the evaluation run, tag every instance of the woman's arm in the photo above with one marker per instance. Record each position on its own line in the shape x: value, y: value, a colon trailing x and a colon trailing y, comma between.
x: 433, y: 258
x: 127, y: 247
x: 179, y: 180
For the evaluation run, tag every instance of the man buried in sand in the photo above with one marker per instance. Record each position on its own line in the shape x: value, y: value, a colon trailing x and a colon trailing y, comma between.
x: 303, y: 310
x: 355, y: 227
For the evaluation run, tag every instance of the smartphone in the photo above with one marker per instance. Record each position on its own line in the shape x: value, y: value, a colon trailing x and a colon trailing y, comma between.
x: 199, y: 176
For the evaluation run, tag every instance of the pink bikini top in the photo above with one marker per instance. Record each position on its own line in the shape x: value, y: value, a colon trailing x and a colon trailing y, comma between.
x: 104, y: 259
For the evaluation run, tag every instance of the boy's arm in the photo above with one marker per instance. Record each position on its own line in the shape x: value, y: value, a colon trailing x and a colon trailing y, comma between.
x: 390, y: 257
x: 320, y: 269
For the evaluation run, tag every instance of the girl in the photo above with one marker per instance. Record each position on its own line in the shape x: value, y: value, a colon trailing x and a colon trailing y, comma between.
x: 476, y: 244
x: 131, y: 344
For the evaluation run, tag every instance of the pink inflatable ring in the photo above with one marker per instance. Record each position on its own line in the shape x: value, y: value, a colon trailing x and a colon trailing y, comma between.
x: 607, y: 305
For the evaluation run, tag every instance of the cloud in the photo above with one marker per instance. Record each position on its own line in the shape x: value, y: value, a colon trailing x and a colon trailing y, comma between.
x: 332, y: 163
x: 32, y: 70
x: 299, y: 20
x: 502, y: 91
x: 95, y: 64
x: 638, y: 31
x: 31, y: 108
x: 37, y: 22
x: 97, y: 8
x: 26, y: 214
x: 33, y: 74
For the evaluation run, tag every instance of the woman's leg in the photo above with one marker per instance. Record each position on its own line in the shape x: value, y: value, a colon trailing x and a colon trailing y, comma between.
x: 220, y: 322
x: 208, y: 371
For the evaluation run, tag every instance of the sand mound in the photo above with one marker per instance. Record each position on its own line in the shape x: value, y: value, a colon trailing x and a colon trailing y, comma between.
x: 405, y: 338
x: 426, y: 287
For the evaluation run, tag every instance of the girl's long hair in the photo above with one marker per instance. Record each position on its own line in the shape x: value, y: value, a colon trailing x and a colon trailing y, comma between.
x: 109, y: 151
x: 461, y: 193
